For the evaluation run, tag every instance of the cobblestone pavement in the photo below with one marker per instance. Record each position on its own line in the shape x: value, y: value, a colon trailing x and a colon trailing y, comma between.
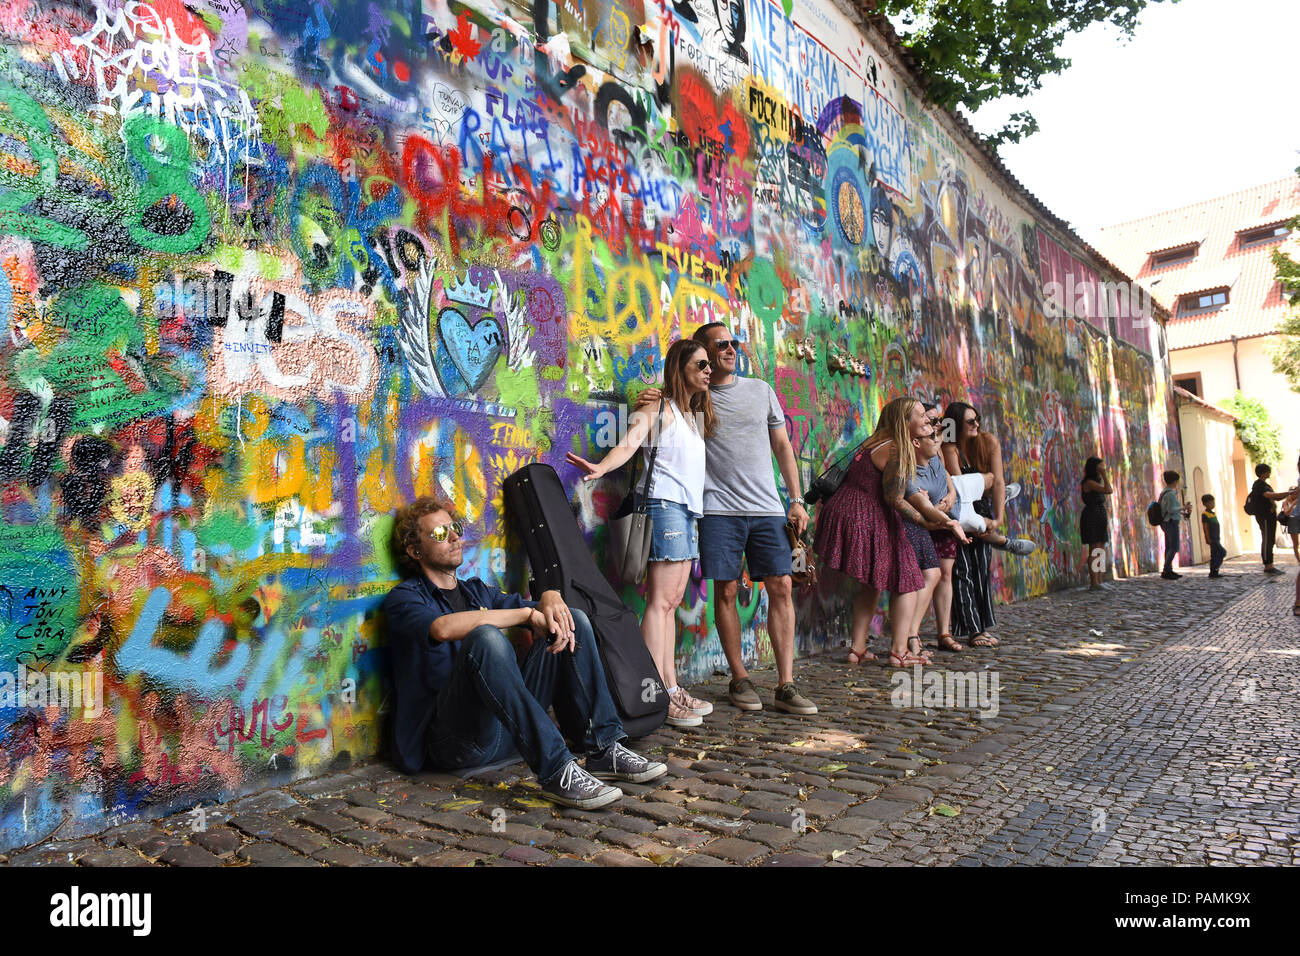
x: 1152, y: 724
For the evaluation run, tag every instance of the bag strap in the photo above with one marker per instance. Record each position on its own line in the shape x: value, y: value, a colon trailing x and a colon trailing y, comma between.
x: 641, y: 502
x: 836, y: 462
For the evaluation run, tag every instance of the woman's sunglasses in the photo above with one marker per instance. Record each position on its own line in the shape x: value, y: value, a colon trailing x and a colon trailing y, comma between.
x: 440, y: 532
x: 702, y: 364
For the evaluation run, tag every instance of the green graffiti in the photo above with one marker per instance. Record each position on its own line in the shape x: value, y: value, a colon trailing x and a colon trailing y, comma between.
x: 167, y: 177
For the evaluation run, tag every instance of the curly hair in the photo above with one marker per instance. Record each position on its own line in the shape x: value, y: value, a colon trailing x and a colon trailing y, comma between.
x: 406, y: 529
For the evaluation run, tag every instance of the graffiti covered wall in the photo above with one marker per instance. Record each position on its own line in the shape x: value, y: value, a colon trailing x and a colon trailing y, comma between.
x: 270, y: 269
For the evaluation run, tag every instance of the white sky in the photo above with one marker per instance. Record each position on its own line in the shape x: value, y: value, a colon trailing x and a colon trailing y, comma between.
x: 1201, y: 102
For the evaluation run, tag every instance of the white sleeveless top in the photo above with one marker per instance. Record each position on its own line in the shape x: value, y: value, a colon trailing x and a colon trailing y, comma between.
x: 679, y: 468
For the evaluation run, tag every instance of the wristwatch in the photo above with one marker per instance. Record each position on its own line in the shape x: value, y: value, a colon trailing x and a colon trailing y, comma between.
x: 798, y: 501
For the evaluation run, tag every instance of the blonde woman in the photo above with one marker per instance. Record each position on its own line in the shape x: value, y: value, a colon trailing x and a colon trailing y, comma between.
x: 675, y: 503
x: 860, y: 529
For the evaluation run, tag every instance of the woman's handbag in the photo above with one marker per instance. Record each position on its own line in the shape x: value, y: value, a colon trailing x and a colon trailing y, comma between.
x: 630, y: 528
x: 829, y: 481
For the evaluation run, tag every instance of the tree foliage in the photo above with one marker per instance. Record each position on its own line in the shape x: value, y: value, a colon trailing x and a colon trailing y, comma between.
x: 1259, y: 434
x: 973, y: 51
x: 1286, y: 351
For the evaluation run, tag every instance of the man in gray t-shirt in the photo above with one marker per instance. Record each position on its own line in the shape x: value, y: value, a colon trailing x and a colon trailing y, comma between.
x: 744, y: 520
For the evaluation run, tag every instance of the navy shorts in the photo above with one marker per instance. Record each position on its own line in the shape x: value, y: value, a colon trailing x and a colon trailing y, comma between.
x: 673, y: 533
x: 759, y: 539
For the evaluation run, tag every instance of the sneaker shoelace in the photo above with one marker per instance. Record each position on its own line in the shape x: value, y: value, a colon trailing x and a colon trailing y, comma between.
x: 575, y: 776
x: 629, y: 758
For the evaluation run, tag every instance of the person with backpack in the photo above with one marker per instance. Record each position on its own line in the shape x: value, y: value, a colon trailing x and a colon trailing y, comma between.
x: 1171, y: 510
x: 675, y: 503
x: 462, y: 698
x: 1260, y: 506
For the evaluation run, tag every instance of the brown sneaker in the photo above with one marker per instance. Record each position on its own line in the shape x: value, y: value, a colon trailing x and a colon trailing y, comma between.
x: 744, y: 694
x: 791, y: 701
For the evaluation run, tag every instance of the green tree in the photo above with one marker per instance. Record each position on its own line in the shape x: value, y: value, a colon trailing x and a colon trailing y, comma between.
x: 1286, y: 351
x: 973, y: 51
x: 1259, y: 434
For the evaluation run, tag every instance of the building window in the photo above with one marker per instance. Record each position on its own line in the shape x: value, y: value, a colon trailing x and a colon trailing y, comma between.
x: 1190, y: 383
x: 1203, y: 301
x: 1173, y: 257
x: 1257, y: 237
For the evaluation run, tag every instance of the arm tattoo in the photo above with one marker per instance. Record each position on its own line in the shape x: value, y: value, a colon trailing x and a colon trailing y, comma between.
x: 894, y: 484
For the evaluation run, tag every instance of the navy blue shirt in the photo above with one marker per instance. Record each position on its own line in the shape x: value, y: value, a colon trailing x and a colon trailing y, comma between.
x: 421, y: 665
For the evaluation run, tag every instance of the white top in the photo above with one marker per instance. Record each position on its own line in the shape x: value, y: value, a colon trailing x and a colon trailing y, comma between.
x: 679, y: 468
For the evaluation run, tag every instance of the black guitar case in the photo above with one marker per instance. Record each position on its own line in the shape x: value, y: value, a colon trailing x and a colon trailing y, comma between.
x: 561, y: 560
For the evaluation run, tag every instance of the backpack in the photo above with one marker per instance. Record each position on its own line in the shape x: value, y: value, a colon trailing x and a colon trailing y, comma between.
x: 1251, y: 505
x: 1155, y: 514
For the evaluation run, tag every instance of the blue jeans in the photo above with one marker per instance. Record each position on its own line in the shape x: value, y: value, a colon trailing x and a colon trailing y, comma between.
x: 1171, y: 544
x: 492, y: 707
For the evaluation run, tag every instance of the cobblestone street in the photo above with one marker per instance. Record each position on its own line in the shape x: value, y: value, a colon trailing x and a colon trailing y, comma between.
x: 1155, y: 723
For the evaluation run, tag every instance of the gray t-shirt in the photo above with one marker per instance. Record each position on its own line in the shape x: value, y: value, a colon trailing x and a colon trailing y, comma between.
x: 932, y: 478
x: 738, y: 464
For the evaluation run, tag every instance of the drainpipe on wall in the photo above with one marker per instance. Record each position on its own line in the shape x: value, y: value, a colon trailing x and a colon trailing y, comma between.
x: 1236, y: 369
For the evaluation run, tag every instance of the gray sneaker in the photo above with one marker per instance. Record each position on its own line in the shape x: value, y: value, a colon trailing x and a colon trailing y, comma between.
x: 1017, y: 546
x: 574, y: 787
x: 619, y: 763
x: 791, y: 701
x: 744, y: 694
x: 1013, y: 490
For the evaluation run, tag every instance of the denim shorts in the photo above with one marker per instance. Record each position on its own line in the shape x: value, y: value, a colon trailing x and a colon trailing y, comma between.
x: 759, y: 539
x: 673, y: 534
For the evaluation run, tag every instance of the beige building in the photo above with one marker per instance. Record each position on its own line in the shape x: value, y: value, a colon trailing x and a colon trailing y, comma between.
x: 1210, y: 264
x: 1216, y: 464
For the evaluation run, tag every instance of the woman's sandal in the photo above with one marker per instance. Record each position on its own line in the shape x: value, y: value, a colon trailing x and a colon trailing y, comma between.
x: 918, y: 649
x: 855, y: 658
x: 907, y: 660
x: 984, y: 640
x: 949, y: 643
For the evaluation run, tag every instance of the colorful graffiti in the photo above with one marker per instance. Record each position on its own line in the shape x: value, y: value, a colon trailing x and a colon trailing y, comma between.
x: 269, y: 270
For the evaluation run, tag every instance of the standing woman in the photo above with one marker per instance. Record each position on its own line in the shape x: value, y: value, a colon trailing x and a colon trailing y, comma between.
x: 1094, y: 526
x: 972, y: 581
x: 860, y: 529
x: 675, y: 503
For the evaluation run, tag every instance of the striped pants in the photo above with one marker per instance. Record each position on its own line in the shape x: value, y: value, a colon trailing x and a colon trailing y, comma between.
x: 972, y: 590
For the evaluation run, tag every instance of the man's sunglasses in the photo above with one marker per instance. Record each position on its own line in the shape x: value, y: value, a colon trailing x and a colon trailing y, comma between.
x: 723, y: 345
x: 702, y: 364
x: 440, y: 532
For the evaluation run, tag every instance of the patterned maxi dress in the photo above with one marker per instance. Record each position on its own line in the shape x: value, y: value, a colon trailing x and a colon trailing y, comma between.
x: 861, y: 536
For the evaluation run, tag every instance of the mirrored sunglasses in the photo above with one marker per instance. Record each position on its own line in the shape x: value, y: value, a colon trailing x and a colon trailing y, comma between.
x: 440, y: 532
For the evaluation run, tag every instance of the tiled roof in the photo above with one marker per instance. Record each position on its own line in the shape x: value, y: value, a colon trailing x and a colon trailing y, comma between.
x: 1184, y: 397
x: 1255, y: 303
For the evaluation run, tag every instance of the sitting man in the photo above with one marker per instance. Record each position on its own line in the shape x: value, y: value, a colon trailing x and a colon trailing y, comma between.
x: 462, y: 700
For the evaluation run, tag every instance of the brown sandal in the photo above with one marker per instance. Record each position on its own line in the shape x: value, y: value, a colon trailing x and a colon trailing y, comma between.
x: 984, y: 640
x: 949, y: 643
x: 918, y: 649
x: 855, y: 658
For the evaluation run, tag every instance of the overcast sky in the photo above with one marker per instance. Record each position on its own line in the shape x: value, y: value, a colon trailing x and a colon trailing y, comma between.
x: 1201, y: 102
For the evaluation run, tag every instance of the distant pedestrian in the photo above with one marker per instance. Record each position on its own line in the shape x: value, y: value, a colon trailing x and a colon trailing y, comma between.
x: 1094, y: 526
x: 1171, y: 511
x: 1260, y: 506
x: 1210, y: 531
